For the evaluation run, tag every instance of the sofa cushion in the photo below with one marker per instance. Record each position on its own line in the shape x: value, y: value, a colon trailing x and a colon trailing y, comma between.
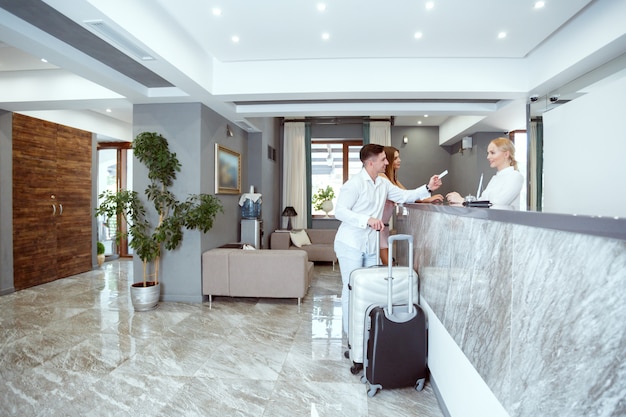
x: 300, y: 238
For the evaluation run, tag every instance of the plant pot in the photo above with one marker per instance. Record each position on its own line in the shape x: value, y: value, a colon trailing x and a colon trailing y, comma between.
x: 100, y: 259
x: 145, y: 298
x: 327, y: 207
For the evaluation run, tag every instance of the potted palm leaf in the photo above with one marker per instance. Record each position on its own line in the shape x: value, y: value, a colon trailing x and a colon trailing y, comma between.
x: 196, y: 212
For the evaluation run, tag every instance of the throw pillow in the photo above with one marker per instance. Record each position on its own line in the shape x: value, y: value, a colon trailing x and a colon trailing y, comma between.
x: 300, y: 238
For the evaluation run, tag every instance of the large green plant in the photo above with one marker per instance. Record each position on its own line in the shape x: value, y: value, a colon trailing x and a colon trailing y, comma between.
x: 196, y: 212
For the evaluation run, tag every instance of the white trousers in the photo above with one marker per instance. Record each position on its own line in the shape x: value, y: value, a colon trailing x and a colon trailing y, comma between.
x: 350, y: 259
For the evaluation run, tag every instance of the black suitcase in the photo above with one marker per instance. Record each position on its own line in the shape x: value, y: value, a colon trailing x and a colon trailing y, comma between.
x: 396, y: 339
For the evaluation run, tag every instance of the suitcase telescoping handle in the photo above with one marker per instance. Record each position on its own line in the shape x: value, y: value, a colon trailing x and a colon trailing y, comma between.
x: 409, y: 240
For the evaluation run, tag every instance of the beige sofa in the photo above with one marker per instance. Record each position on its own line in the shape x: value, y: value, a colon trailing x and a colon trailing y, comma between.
x: 321, y: 248
x: 256, y: 273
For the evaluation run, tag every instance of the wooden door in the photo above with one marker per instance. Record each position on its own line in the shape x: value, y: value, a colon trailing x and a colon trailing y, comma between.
x: 34, y: 209
x: 73, y: 225
x: 51, y: 201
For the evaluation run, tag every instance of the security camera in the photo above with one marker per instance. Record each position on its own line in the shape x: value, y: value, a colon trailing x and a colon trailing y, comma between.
x: 534, y: 98
x: 554, y: 99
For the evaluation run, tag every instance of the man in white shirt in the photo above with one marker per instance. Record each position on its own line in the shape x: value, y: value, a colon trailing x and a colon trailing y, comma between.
x: 360, y: 208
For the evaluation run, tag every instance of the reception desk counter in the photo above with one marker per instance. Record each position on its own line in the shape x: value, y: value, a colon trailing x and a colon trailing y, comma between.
x: 527, y: 311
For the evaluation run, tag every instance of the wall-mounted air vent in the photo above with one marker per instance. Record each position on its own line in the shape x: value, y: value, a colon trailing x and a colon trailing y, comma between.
x: 244, y: 125
x: 117, y: 39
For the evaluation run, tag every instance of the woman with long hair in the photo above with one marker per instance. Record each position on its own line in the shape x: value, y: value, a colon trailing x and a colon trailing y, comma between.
x: 503, y: 190
x: 391, y: 173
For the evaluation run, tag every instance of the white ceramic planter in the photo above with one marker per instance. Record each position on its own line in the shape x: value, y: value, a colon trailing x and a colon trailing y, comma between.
x: 145, y: 298
x: 327, y: 207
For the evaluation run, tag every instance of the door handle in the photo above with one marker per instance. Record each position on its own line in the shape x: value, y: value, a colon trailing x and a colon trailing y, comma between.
x: 54, y: 209
x: 60, y: 209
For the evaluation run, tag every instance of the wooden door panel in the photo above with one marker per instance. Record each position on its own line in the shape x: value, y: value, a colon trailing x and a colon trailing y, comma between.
x: 74, y: 225
x: 34, y: 176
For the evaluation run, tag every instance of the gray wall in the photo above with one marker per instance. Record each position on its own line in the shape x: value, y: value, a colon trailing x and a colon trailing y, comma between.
x: 264, y: 173
x: 192, y: 131
x: 465, y: 168
x: 422, y: 157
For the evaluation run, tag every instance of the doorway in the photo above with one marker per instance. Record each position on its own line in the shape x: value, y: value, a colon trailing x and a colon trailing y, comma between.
x: 114, y: 173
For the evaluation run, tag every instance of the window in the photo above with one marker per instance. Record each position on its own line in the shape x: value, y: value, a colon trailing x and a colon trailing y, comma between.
x: 333, y: 161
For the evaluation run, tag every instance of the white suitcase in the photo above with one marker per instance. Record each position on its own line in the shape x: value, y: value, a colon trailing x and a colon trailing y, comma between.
x: 368, y: 286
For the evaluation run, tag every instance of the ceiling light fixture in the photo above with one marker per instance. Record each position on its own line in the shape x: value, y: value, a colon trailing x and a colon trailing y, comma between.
x: 501, y: 35
x: 235, y: 39
x: 540, y: 4
x: 321, y: 7
x: 418, y: 35
x: 425, y: 115
x: 430, y: 5
x: 325, y: 36
x: 217, y: 11
x: 108, y: 110
x: 419, y: 122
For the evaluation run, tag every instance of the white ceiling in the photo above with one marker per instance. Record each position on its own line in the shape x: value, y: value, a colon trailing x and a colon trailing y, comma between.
x: 459, y: 72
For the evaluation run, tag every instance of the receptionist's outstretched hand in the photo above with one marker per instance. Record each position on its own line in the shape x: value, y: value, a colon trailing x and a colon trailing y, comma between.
x: 454, y: 197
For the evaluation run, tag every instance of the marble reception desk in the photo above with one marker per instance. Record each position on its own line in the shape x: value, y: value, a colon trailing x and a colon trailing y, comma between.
x: 527, y: 311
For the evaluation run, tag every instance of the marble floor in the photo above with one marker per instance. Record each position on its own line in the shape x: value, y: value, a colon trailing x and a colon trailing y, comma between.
x: 75, y: 347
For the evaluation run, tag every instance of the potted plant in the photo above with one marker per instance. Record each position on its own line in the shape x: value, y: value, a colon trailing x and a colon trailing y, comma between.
x: 196, y: 212
x: 322, y: 199
x: 100, y: 252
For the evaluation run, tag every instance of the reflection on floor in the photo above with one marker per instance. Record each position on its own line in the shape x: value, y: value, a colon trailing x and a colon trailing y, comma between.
x: 75, y: 347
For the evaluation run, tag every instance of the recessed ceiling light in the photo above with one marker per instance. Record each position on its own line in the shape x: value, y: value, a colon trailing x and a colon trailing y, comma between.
x: 321, y: 7
x: 419, y: 122
x: 501, y: 35
x: 418, y: 35
x: 235, y: 39
x: 108, y: 110
x: 44, y: 60
x: 425, y: 115
x: 217, y: 11
x: 539, y: 4
x: 326, y: 36
x: 430, y: 5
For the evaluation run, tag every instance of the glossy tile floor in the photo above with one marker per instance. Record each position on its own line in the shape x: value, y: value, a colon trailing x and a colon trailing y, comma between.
x: 75, y: 347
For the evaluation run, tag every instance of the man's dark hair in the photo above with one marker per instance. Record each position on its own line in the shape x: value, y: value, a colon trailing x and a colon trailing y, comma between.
x: 370, y: 150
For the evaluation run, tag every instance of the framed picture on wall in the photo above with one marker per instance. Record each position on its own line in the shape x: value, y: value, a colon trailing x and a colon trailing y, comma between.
x: 227, y: 171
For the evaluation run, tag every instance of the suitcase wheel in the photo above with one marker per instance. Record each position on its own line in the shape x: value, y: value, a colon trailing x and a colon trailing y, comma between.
x: 356, y: 368
x: 373, y: 389
x: 420, y: 384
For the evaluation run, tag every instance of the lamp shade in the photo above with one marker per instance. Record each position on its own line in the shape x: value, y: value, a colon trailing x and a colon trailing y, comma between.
x: 289, y: 212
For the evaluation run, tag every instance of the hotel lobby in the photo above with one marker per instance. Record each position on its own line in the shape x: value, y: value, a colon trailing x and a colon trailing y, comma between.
x: 526, y: 307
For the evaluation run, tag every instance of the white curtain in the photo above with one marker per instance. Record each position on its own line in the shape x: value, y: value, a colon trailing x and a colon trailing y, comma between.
x: 380, y: 133
x: 294, y: 172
